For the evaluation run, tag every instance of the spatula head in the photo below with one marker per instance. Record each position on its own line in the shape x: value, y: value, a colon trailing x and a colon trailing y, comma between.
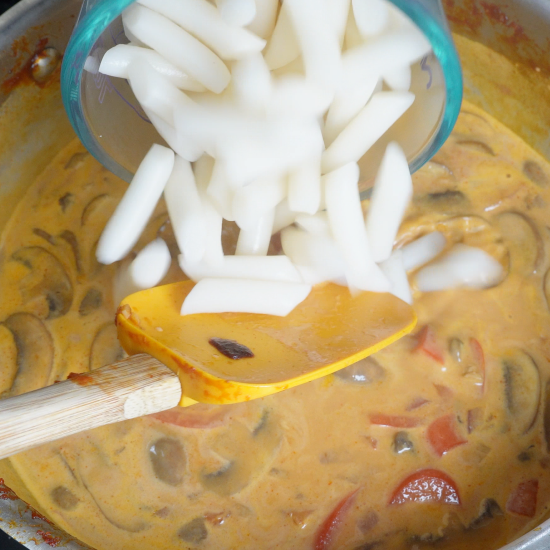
x: 330, y: 330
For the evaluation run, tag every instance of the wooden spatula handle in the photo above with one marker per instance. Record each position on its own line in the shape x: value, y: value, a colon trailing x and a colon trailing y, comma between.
x: 133, y: 387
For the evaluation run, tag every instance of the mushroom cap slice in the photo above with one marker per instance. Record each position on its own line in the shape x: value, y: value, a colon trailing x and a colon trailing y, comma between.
x: 47, y: 280
x: 35, y: 352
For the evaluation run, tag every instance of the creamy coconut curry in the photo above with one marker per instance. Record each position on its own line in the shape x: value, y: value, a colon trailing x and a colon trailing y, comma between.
x: 441, y: 440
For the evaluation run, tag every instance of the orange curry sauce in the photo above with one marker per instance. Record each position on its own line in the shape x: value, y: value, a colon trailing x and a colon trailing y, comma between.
x: 439, y: 441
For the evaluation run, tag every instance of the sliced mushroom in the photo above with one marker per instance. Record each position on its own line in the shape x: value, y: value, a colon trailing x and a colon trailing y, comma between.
x: 47, y: 281
x: 523, y: 240
x: 66, y: 201
x: 489, y: 510
x: 76, y: 161
x: 247, y: 454
x: 168, y: 460
x: 108, y: 484
x: 476, y: 145
x: 91, y: 302
x: 474, y: 454
x: 475, y: 419
x: 366, y: 371
x: 522, y: 389
x: 450, y: 526
x: 368, y: 522
x: 193, y: 532
x: 8, y: 359
x: 533, y: 170
x: 100, y: 207
x: 464, y: 113
x: 106, y: 348
x: 44, y: 235
x: 64, y: 498
x: 527, y: 455
x: 35, y: 352
x: 70, y: 238
x: 451, y: 201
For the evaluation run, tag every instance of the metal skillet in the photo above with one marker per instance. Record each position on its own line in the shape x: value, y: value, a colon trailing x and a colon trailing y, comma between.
x: 182, y: 360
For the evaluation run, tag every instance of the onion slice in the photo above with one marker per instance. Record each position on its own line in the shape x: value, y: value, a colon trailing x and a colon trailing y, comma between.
x: 244, y: 296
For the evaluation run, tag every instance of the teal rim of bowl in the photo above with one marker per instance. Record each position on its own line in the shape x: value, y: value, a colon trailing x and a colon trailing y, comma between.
x: 86, y: 33
x: 90, y: 27
x: 439, y: 35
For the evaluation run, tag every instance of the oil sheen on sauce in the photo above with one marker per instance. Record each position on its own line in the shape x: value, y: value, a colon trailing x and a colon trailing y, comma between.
x: 440, y: 440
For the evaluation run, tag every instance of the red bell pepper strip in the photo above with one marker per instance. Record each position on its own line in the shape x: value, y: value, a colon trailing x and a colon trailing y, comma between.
x: 443, y: 436
x: 523, y: 500
x: 426, y: 342
x: 329, y: 528
x: 427, y: 485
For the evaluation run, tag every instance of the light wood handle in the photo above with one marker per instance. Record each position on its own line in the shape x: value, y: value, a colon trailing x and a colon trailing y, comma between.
x: 133, y: 387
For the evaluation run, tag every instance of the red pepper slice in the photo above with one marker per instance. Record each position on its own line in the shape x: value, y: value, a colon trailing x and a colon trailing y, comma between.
x: 395, y: 421
x: 442, y: 435
x: 426, y: 342
x: 427, y: 485
x: 200, y: 416
x: 523, y: 499
x: 329, y: 528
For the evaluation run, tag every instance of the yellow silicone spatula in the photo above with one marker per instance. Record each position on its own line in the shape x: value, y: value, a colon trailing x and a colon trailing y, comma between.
x: 328, y: 331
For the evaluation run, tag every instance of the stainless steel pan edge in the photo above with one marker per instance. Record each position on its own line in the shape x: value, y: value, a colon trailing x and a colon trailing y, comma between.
x: 54, y: 19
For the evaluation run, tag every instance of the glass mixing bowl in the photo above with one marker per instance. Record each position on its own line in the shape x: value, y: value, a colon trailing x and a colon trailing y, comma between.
x: 114, y: 128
